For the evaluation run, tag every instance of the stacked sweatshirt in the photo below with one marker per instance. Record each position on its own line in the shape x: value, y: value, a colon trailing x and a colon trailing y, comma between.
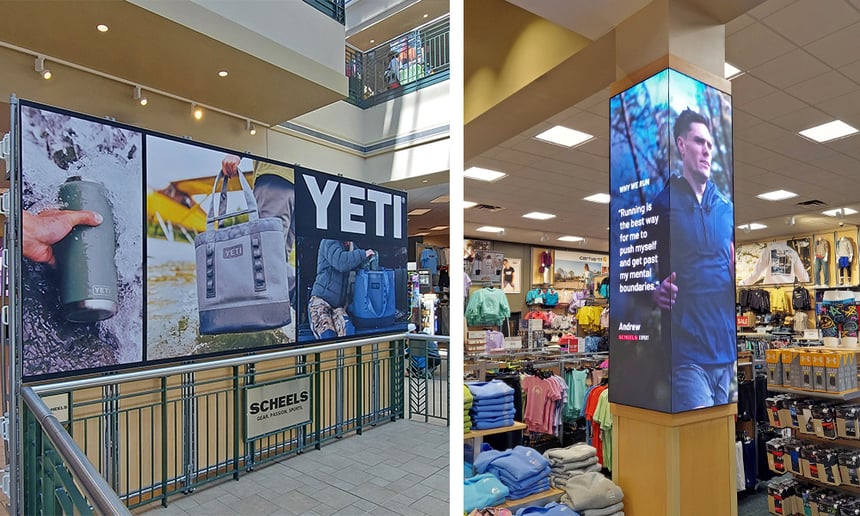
x: 574, y: 460
x: 550, y: 509
x: 467, y: 405
x: 481, y: 491
x: 524, y: 471
x: 592, y: 494
x: 492, y: 404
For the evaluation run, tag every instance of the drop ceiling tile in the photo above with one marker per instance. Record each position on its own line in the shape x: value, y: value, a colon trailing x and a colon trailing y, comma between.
x: 518, y: 157
x: 802, y: 119
x: 743, y: 121
x: 585, y: 159
x: 590, y: 123
x: 833, y: 49
x: 849, y: 146
x: 774, y: 105
x: 764, y: 133
x: 747, y: 88
x: 790, y: 68
x: 806, y: 20
x: 852, y: 71
x: 795, y: 146
x: 839, y: 163
x: 515, y: 140
x: 747, y: 170
x: 842, y: 106
x: 538, y: 148
x: 824, y: 87
x: 754, y: 45
x: 598, y: 147
x: 769, y: 7
x: 601, y: 97
x: 738, y: 23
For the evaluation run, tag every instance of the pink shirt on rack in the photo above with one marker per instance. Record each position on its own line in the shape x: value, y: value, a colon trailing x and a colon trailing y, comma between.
x: 541, y: 396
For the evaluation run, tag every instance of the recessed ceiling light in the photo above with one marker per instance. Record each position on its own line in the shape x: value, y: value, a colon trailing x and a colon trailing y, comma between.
x: 569, y: 238
x: 836, y: 212
x: 469, y: 204
x: 419, y: 211
x: 426, y: 15
x: 777, y: 195
x: 539, y: 216
x: 102, y: 27
x: 490, y: 229
x: 223, y: 73
x: 564, y: 136
x: 752, y: 227
x: 438, y: 228
x: 600, y: 197
x: 483, y: 174
x: 829, y: 131
x: 421, y: 234
x: 441, y: 199
x: 373, y: 41
x: 730, y: 71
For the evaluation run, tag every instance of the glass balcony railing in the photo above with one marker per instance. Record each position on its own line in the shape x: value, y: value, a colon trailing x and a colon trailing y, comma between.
x: 333, y: 8
x: 401, y: 65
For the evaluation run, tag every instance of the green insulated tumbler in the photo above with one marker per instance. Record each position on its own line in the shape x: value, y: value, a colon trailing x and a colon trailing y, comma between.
x: 86, y: 256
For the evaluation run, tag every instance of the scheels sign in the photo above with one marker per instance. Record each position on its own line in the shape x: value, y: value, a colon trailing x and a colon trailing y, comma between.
x: 277, y: 406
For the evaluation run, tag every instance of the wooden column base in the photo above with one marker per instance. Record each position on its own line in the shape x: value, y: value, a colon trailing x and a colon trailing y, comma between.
x: 675, y: 464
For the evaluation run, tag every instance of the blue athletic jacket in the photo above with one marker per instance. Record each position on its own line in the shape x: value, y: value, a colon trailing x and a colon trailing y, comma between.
x: 701, y: 236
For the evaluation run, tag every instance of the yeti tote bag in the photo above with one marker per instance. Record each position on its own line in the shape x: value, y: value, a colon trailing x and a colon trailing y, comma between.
x: 241, y: 269
x: 373, y: 298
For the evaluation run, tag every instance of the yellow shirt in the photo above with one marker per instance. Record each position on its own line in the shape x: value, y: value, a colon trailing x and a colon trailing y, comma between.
x: 264, y: 167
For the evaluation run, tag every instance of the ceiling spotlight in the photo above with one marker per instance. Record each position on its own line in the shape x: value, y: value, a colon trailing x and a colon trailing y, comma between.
x: 790, y: 221
x: 197, y: 111
x: 250, y: 127
x: 140, y: 97
x: 102, y: 27
x: 223, y: 73
x: 747, y: 228
x: 502, y: 232
x: 40, y: 68
x: 544, y: 237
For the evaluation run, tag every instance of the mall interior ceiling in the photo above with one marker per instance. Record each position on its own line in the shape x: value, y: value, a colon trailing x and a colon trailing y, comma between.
x: 799, y: 68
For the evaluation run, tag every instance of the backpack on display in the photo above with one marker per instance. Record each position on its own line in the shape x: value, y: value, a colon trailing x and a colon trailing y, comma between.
x: 373, y: 296
x: 800, y: 299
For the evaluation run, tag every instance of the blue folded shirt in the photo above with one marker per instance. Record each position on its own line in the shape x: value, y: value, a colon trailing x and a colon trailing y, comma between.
x: 550, y: 509
x: 486, y: 425
x: 537, y: 488
x: 489, y: 402
x: 488, y: 390
x: 483, y: 491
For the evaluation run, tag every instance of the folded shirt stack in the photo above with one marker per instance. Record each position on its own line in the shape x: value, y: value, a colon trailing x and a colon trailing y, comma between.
x: 492, y: 404
x: 568, y: 462
x: 467, y: 405
x: 524, y: 471
x: 592, y: 494
x: 482, y: 491
x: 550, y: 509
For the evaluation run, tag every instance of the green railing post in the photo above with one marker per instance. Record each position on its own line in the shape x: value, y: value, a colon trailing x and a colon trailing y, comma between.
x: 392, y: 376
x: 164, y: 440
x: 317, y: 400
x: 32, y: 446
x: 359, y: 380
x: 237, y: 411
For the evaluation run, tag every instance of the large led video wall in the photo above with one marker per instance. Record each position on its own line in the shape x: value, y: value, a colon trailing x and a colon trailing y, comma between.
x: 142, y: 248
x: 672, y: 288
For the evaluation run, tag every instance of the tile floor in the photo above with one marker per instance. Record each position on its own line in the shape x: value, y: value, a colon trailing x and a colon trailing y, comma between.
x: 394, y: 468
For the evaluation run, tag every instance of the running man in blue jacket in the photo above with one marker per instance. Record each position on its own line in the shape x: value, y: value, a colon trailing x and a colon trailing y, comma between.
x: 697, y: 292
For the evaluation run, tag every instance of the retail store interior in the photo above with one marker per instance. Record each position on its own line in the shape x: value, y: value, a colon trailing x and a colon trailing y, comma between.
x: 792, y: 70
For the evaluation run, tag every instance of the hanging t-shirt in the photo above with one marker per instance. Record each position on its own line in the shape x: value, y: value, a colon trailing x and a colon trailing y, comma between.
x: 541, y: 395
x: 603, y: 419
x: 429, y: 259
x: 778, y: 263
x: 576, y: 386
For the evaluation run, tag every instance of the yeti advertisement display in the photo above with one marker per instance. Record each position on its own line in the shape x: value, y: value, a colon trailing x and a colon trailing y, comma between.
x: 671, y: 268
x: 140, y: 248
x: 351, y: 255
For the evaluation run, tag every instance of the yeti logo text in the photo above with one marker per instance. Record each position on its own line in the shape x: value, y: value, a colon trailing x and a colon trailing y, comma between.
x: 233, y: 252
x: 351, y: 213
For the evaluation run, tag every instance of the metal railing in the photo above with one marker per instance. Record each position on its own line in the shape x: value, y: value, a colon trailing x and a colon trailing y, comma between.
x: 429, y: 374
x: 333, y: 8
x: 423, y: 59
x: 58, y: 478
x: 150, y: 434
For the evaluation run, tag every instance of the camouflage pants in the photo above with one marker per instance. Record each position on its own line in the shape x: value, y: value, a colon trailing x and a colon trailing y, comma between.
x: 323, y: 317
